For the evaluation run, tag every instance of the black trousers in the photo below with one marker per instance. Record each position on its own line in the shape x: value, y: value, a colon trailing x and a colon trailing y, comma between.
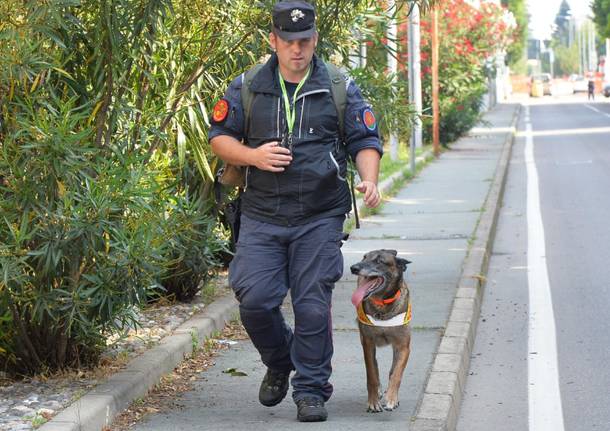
x: 306, y: 260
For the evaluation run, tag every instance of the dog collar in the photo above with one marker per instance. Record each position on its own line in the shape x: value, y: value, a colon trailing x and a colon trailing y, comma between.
x: 382, y: 302
x: 398, y: 320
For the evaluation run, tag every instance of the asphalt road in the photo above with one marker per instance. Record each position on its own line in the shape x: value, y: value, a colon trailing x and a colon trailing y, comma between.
x: 542, y: 353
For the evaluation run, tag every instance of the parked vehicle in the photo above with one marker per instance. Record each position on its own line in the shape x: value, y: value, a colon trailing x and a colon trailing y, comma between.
x: 606, y: 89
x: 579, y: 84
x: 541, y: 85
x: 536, y: 88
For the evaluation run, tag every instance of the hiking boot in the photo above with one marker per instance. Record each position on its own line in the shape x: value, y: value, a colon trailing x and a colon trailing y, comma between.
x: 274, y: 387
x: 311, y: 409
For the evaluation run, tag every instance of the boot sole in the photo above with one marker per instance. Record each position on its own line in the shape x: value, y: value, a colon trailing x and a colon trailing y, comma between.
x: 312, y: 418
x: 274, y: 402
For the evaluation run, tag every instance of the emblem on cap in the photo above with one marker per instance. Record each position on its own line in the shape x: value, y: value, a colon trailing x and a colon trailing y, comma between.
x: 220, y: 111
x: 297, y: 14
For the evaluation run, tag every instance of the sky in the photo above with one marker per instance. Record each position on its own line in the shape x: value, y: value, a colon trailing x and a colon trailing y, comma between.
x: 543, y: 13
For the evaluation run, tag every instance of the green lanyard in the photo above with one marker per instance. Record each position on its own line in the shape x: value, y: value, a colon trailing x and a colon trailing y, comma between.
x: 291, y: 110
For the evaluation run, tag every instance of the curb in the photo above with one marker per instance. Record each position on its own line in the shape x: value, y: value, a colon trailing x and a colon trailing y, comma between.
x: 97, y: 408
x: 439, y: 406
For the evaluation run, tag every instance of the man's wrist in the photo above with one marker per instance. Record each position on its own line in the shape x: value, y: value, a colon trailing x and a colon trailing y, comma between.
x: 248, y: 156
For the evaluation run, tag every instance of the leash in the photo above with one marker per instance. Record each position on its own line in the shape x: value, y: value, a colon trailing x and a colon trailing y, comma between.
x: 352, y: 187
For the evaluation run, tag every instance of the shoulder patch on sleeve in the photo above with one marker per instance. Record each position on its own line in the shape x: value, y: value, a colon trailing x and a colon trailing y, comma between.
x: 220, y: 111
x: 368, y: 119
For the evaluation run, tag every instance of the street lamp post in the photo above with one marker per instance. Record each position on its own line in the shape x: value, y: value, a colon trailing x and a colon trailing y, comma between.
x: 607, y: 61
x: 435, y: 84
x: 581, y: 52
x: 415, y: 97
x: 392, y: 66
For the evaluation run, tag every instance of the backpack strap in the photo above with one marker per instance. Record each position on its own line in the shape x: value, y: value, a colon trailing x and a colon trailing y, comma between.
x: 339, y: 82
x: 338, y: 89
x: 247, y: 97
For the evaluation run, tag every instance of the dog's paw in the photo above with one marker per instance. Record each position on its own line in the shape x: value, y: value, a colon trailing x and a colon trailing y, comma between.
x: 391, y: 405
x: 374, y: 407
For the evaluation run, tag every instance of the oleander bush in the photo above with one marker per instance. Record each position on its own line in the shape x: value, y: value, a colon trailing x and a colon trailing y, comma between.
x: 196, y: 247
x: 79, y: 243
x: 469, y: 38
x: 98, y: 104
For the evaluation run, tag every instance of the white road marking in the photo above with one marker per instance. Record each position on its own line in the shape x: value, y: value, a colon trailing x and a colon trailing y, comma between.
x: 597, y: 110
x: 567, y: 132
x: 545, y: 409
x: 574, y: 163
x: 490, y: 130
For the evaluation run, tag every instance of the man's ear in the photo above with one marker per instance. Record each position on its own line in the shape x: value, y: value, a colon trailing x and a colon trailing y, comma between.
x: 272, y: 40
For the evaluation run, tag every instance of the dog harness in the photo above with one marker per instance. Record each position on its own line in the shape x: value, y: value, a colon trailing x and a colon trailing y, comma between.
x: 398, y: 320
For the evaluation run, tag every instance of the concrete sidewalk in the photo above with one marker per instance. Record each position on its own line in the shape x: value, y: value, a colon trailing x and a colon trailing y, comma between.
x: 434, y: 222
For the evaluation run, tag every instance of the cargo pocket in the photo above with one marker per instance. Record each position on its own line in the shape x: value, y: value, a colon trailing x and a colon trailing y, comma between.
x: 333, y: 258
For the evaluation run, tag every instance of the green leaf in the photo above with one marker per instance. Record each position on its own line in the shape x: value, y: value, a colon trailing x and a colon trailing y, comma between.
x: 234, y: 372
x: 181, y: 144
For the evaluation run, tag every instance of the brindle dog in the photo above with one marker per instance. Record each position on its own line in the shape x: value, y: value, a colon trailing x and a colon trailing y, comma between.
x: 383, y: 295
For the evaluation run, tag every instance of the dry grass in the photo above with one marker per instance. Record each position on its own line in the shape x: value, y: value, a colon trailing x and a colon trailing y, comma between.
x: 165, y: 395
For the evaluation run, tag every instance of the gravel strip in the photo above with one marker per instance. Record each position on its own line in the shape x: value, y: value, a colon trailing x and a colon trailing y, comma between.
x: 27, y: 404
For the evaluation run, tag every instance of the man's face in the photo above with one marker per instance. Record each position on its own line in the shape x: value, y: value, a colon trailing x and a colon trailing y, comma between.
x: 294, y: 55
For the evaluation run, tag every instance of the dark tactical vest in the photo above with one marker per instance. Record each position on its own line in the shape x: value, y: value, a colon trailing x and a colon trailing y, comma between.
x: 315, y: 184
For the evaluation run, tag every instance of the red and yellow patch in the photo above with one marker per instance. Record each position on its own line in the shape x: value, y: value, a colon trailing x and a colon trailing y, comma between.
x: 220, y: 111
x: 369, y: 119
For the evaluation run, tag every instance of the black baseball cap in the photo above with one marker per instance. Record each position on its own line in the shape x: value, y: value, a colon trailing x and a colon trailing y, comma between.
x: 294, y: 20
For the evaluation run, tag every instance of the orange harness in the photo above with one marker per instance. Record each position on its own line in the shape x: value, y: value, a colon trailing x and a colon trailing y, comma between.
x: 398, y: 320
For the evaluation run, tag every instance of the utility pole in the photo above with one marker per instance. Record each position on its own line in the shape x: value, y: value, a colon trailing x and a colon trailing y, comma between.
x: 607, y: 61
x: 435, y: 84
x: 592, y: 50
x: 415, y: 81
x: 587, y: 36
x: 392, y: 66
x: 581, y: 57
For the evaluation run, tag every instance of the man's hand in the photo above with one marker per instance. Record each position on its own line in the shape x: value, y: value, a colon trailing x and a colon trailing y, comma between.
x: 271, y: 157
x: 372, y: 197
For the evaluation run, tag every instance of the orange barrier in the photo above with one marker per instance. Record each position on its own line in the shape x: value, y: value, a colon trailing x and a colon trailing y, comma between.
x: 520, y: 83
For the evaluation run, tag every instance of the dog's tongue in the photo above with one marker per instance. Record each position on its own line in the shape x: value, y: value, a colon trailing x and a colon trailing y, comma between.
x: 361, y: 290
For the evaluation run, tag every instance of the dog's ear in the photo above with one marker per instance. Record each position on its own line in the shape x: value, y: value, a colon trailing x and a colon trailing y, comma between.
x: 392, y: 252
x: 402, y: 263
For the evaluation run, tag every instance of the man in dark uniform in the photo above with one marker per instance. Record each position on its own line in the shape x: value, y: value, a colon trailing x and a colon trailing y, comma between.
x: 294, y: 204
x: 591, y: 89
